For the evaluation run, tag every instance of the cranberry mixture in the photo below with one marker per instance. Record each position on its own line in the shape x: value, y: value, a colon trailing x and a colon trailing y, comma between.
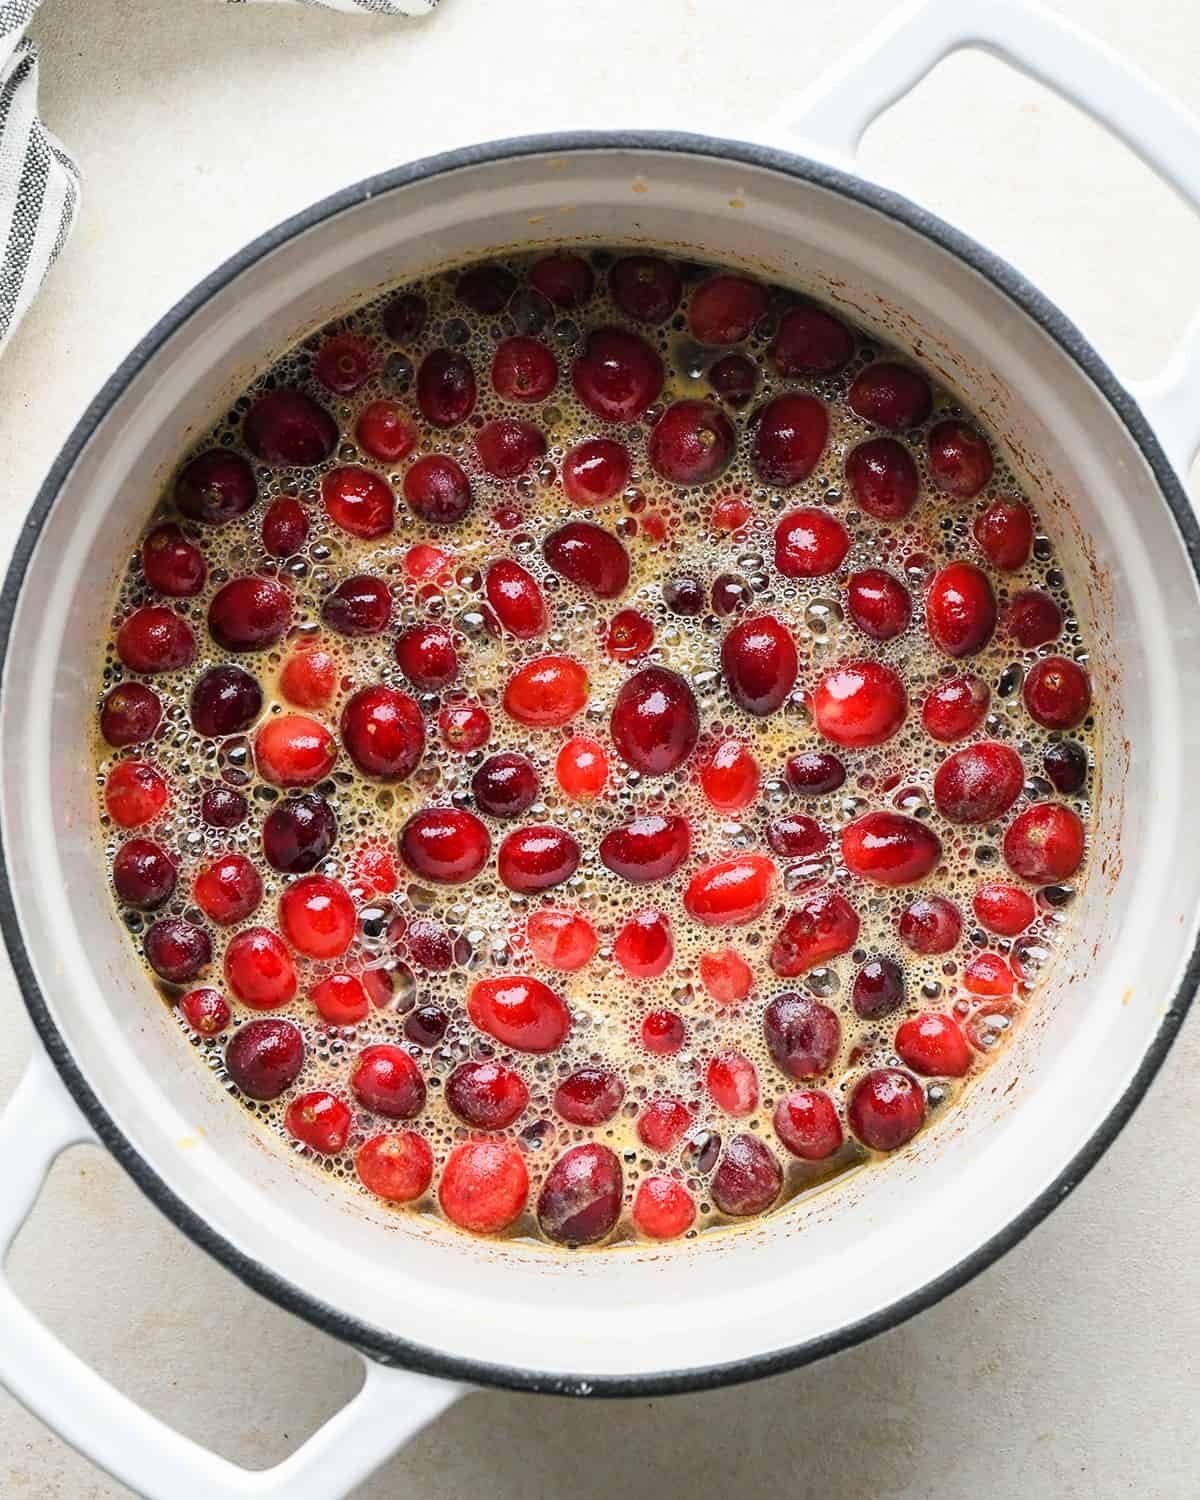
x: 593, y: 747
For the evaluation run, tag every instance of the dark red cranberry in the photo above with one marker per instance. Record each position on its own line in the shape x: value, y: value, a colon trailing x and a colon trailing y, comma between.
x: 445, y: 844
x: 505, y: 785
x: 298, y: 833
x: 802, y: 1035
x: 878, y: 989
x: 589, y: 557
x: 143, y: 874
x: 565, y: 280
x: 446, y: 388
x: 344, y: 362
x: 426, y: 656
x: 890, y: 395
x: 216, y: 487
x: 1044, y: 844
x: 796, y: 836
x: 859, y: 703
x: 889, y: 848
x: 589, y: 1096
x: 537, y: 858
x: 284, y: 527
x: 225, y: 700
x: 978, y: 783
x: 507, y: 446
x: 959, y: 459
x: 1057, y: 693
x: 171, y: 564
x: 748, y: 1179
x: 1066, y: 764
x: 729, y: 595
x: 931, y: 924
x: 724, y: 309
x: 404, y: 317
x: 685, y: 595
x: 595, y: 471
x: 734, y: 379
x: 486, y: 288
x: 546, y: 692
x: 464, y: 727
x: 426, y: 1026
x: 264, y: 1057
x: 580, y: 1200
x: 486, y: 1095
x: 359, y: 502
x: 960, y: 609
x: 730, y: 892
x: 360, y: 605
x: 155, y: 639
x: 387, y: 1081
x: 956, y: 708
x: 519, y: 1012
x: 649, y: 847
x: 810, y: 342
x: 383, y: 732
x: 691, y: 443
x: 758, y: 658
x: 222, y: 807
x: 1031, y: 618
x: 618, y: 375
x: 883, y: 479
x: 425, y: 941
x: 821, y: 926
x: 886, y: 1109
x: 1004, y: 533
x: 645, y: 287
x: 386, y: 431
x: 249, y: 614
x: 288, y: 427
x: 812, y: 773
x: 655, y: 721
x: 790, y: 437
x: 879, y: 603
x: 177, y: 950
x: 130, y: 714
x: 206, y: 1011
x: 807, y: 1123
x: 524, y: 369
x: 437, y: 489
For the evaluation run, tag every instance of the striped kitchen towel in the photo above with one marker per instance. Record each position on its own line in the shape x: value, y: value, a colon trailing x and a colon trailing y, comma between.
x: 39, y: 179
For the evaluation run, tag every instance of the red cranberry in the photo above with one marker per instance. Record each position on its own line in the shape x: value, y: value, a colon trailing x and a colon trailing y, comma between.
x: 821, y: 926
x: 546, y: 692
x: 383, y: 732
x: 464, y: 727
x: 298, y: 833
x: 344, y: 362
x: 655, y: 722
x: 130, y: 714
x: 426, y: 1026
x: 648, y: 848
x: 519, y: 1012
x: 731, y: 512
x: 886, y: 1109
x: 360, y: 605
x: 978, y: 783
x: 264, y: 1057
x: 810, y: 543
x: 317, y: 916
x: 426, y: 656
x: 589, y: 557
x: 661, y: 1124
x: 959, y: 459
x: 288, y: 427
x: 618, y: 376
x: 216, y: 487
x: 685, y: 595
x: 135, y: 793
x: 758, y: 658
x: 486, y: 1095
x: 396, y: 1166
x: 293, y: 750
x: 960, y: 609
x: 1004, y: 533
x: 206, y: 1011
x: 445, y: 844
x: 484, y: 1186
x: 143, y: 874
x: 790, y: 437
x: 537, y: 858
x: 425, y: 941
x: 891, y: 395
x: 387, y: 1081
x: 565, y: 280
x: 446, y: 388
x: 724, y: 309
x: 320, y: 1120
x: 341, y: 999
x: 561, y: 939
x: 1057, y: 693
x: 807, y: 1123
x: 931, y: 924
x: 225, y: 700
x: 386, y: 431
x: 748, y: 1179
x: 878, y: 989
x: 691, y: 443
x: 523, y: 369
x: 595, y: 471
x: 663, y: 1209
x: 249, y: 614
x: 580, y: 1200
x: 644, y: 949
x: 859, y: 703
x: 486, y: 288
x: 1006, y: 910
x: 309, y: 676
x: 581, y: 768
x: 795, y: 836
x: 883, y: 479
x: 812, y: 773
x: 734, y: 379
x: 284, y: 527
x: 729, y: 594
x: 956, y: 708
x: 227, y: 889
x: 934, y: 1045
x: 732, y: 1082
x: 505, y: 785
x: 730, y: 776
x: 589, y: 1096
x: 177, y: 950
x: 645, y: 287
x: 889, y: 849
x: 404, y: 317
x: 1045, y: 843
x: 438, y: 490
x: 259, y: 969
x: 731, y: 892
x: 1032, y: 619
x: 662, y: 1030
x: 359, y: 502
x: 630, y: 635
x: 989, y: 976
x: 506, y: 447
x: 879, y: 604
x: 222, y: 807
x: 810, y: 342
x: 802, y: 1035
x: 171, y: 564
x: 1066, y: 765
x: 155, y: 639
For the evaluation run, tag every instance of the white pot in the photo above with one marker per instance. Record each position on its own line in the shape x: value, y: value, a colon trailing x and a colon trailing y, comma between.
x: 860, y: 1257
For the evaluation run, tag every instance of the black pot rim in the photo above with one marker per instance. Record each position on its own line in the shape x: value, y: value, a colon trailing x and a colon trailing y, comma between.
x: 376, y: 1343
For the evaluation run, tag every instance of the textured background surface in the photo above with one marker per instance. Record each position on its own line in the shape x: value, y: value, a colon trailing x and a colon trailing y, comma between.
x: 1069, y: 1369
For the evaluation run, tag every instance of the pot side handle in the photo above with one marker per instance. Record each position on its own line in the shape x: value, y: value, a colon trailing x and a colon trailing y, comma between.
x: 833, y: 114
x: 93, y: 1416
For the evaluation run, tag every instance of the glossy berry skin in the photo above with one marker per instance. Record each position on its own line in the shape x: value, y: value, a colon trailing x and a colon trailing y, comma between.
x: 813, y: 773
x: 387, y: 1081
x: 732, y: 1083
x: 748, y: 1179
x: 1066, y: 765
x: 386, y: 431
x: 956, y: 708
x: 130, y: 714
x: 959, y: 459
x: 514, y: 594
x: 464, y: 727
x: 978, y: 783
x: 630, y: 635
x: 437, y: 490
x: 810, y: 543
x: 789, y: 439
x: 807, y: 1123
x: 989, y: 976
x: 731, y: 892
x: 1006, y: 910
x: 227, y: 889
x: 309, y: 677
x: 565, y: 280
x: 519, y: 1012
x: 685, y: 595
x: 383, y: 732
x: 524, y: 369
x: 878, y: 989
x: 643, y: 947
x: 859, y: 703
x: 484, y: 1186
x: 294, y: 750
x: 344, y: 362
x: 427, y: 657
x: 724, y: 309
x: 879, y: 604
x: 581, y: 768
x: 931, y: 924
x: 883, y: 479
x: 1032, y: 619
x: 445, y: 844
x: 205, y: 1011
x: 734, y: 379
x: 661, y: 1124
x: 580, y: 1200
x: 135, y: 793
x: 537, y: 858
x: 1057, y: 693
x: 662, y: 1031
x: 298, y: 833
x: 342, y: 999
x: 886, y: 1108
x: 589, y: 557
x: 176, y: 949
x: 729, y: 776
x: 289, y: 428
x: 171, y: 564
x: 663, y: 1209
x: 1004, y: 534
x: 561, y: 939
x: 589, y: 1096
x: 155, y: 639
x: 360, y: 605
x: 595, y: 471
x: 396, y: 1166
x: 822, y: 925
x: 960, y: 609
x: 932, y: 1044
x: 759, y: 663
x: 320, y: 1120
x: 1044, y: 844
x: 215, y: 487
x: 249, y: 614
x: 143, y: 874
x: 264, y: 1057
x: 796, y: 836
x: 486, y: 1095
x: 507, y: 446
x: 446, y: 388
x: 803, y: 1035
x: 889, y: 848
x: 648, y: 848
x: 655, y: 721
x: 506, y: 785
x: 618, y: 375
x: 645, y: 287
x: 691, y: 443
x: 810, y: 342
x: 284, y: 527
x: 359, y: 502
x: 890, y: 395
x: 317, y: 916
x: 546, y: 692
x: 259, y: 969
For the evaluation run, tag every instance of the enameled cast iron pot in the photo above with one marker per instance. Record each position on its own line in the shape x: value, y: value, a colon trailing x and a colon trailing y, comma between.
x: 433, y: 1311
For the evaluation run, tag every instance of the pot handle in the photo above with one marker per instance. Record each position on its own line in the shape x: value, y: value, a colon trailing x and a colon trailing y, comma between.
x: 68, y: 1395
x: 833, y: 114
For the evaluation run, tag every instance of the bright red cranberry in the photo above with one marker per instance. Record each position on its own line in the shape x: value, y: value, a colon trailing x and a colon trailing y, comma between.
x: 661, y: 1124
x: 288, y: 427
x: 734, y: 379
x: 879, y: 603
x: 618, y: 375
x: 373, y: 870
x: 821, y: 926
x: 1066, y: 764
x: 227, y: 889
x: 344, y: 362
x: 663, y: 1209
x: 360, y: 605
x: 259, y: 969
x: 359, y: 502
x: 859, y: 703
x: 216, y: 487
x: 759, y: 661
x: 886, y: 1109
x: 438, y: 490
x: 890, y: 395
x: 810, y: 342
x: 1045, y: 843
x: 878, y: 989
x: 564, y: 279
x: 524, y: 369
x: 732, y: 1082
x: 519, y: 1012
x: 655, y: 721
x: 404, y: 317
x: 506, y: 446
x: 731, y: 512
x: 130, y: 714
x: 630, y: 635
x: 396, y: 1166
x: 294, y: 750
x: 726, y: 976
x: 890, y: 849
x: 561, y: 939
x: 464, y: 727
x: 298, y: 833
x: 978, y: 783
x: 931, y: 924
x: 691, y: 443
x: 383, y: 732
x: 933, y: 1044
x: 802, y: 1035
x: 317, y: 916
x: 595, y: 471
x: 225, y: 700
x: 143, y: 874
x: 643, y: 947
x: 807, y: 1123
x: 264, y: 1057
x: 795, y: 836
x: 486, y: 1095
x: 309, y: 676
x: 731, y: 892
x: 589, y: 1096
x: 581, y: 768
x: 387, y: 1081
x: 171, y: 564
x: 426, y: 656
x: 580, y: 1200
x: 505, y: 785
x: 590, y: 557
x: 662, y: 1031
x: 155, y: 639
x: 1031, y: 619
x: 748, y: 1179
x: 1004, y: 533
x: 537, y: 858
x: 650, y: 847
x: 206, y: 1011
x: 319, y: 1120
x: 1057, y: 693
x: 956, y: 708
x: 812, y: 773
x: 486, y: 288
x: 724, y: 309
x: 135, y: 793
x: 959, y: 459
x: 645, y: 287
x: 546, y: 692
x: 342, y: 999
x: 1006, y: 910
x: 883, y: 479
x: 177, y: 950
x: 445, y: 844
x: 249, y: 614
x: 960, y: 609
x: 284, y: 527
x: 810, y: 543
x: 790, y: 437
x: 729, y: 776
x: 386, y: 431
x: 989, y: 976
x: 484, y: 1186
x: 446, y: 388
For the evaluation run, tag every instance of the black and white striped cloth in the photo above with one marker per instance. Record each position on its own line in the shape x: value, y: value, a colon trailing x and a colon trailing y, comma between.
x: 39, y: 178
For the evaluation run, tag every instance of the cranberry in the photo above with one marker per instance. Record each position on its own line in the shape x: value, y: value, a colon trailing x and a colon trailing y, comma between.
x: 731, y: 892
x: 732, y: 1081
x: 618, y: 376
x: 537, y: 858
x: 645, y: 287
x: 519, y: 1012
x: 748, y: 1179
x: 561, y: 939
x: 595, y: 471
x: 581, y: 768
x: 662, y: 1031
x: 383, y: 732
x: 523, y: 369
x: 130, y: 714
x: 812, y: 773
x: 802, y: 1035
x: 956, y: 708
x: 589, y: 1096
x: 294, y: 750
x: 790, y: 437
x: 445, y: 844
x: 807, y: 1123
x: 464, y: 727
x: 890, y: 395
x: 284, y: 527
x: 931, y: 924
x: 655, y: 722
x: 810, y: 543
x: 264, y: 1057
x: 978, y: 783
x: 730, y: 513
x: 889, y: 849
x: 1006, y: 910
x: 564, y: 279
x: 685, y: 595
x: 959, y: 459
x: 216, y: 487
x: 810, y: 342
x: 171, y: 564
x: 206, y: 1011
x: 879, y: 604
x: 859, y: 703
x: 960, y: 609
x: 1044, y: 844
x: 317, y: 916
x: 484, y: 1186
x: 886, y: 1109
x: 320, y: 1120
x: 446, y: 388
x: 506, y: 447
x: 309, y: 677
x: 344, y: 362
x: 730, y: 776
x: 143, y: 874
x: 505, y: 785
x: 486, y: 288
x: 661, y: 1124
x: 135, y: 793
x: 759, y: 661
x: 425, y: 941
x: 298, y: 833
x: 821, y: 926
x: 724, y: 309
x: 630, y: 635
x: 373, y: 869
x: 580, y: 1200
x: 288, y: 427
x: 341, y: 999
x: 396, y: 1166
x: 883, y: 479
x: 795, y: 836
x: 404, y: 317
x: 1057, y: 693
x: 426, y: 1026
x: 359, y: 502
x: 726, y: 976
x: 227, y: 889
x: 878, y: 989
x: 225, y: 700
x: 386, y: 431
x: 1004, y: 533
x: 249, y: 614
x: 546, y: 692
x: 259, y: 969
x: 438, y: 490
x: 589, y: 557
x: 1032, y: 619
x: 1066, y: 764
x: 734, y: 379
x: 426, y: 656
x: 643, y: 947
x: 729, y: 594
x: 691, y: 443
x: 650, y: 847
x: 486, y: 1095
x: 177, y: 950
x: 387, y: 1081
x: 360, y: 605
x: 155, y: 639
x: 933, y: 1044
x: 989, y: 975
x: 663, y: 1209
